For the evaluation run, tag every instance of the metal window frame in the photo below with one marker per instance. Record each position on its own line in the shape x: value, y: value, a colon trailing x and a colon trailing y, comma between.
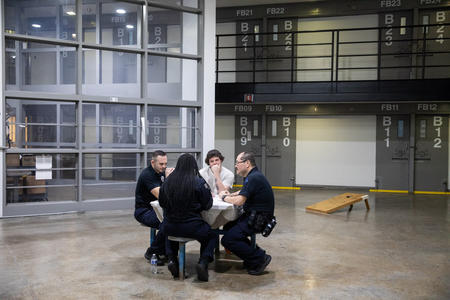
x: 143, y: 152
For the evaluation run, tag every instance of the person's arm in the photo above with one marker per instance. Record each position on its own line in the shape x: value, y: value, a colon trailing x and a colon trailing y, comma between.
x: 155, y: 192
x: 238, y: 200
x: 169, y: 171
x: 240, y: 197
x: 221, y: 194
x: 216, y: 172
x: 152, y: 185
x: 228, y: 179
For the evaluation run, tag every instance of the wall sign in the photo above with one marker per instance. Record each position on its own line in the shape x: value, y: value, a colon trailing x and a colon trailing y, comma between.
x: 390, y: 3
x: 345, y: 108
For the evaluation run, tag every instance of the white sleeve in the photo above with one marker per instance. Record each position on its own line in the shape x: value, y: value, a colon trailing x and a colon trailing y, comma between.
x: 228, y: 178
x: 204, y: 174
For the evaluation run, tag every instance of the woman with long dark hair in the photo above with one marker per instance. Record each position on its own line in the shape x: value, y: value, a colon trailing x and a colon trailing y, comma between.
x: 183, y: 196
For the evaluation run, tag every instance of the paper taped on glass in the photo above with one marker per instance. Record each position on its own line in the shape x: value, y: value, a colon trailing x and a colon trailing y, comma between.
x: 43, y: 167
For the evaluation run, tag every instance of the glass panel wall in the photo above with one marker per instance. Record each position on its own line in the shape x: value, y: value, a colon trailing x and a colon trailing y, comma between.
x: 78, y: 136
x: 40, y: 177
x: 40, y: 67
x: 171, y: 127
x: 188, y: 3
x: 172, y: 78
x: 50, y: 19
x: 40, y: 124
x: 110, y: 125
x: 165, y: 34
x: 117, y: 26
x: 111, y: 175
x: 111, y: 73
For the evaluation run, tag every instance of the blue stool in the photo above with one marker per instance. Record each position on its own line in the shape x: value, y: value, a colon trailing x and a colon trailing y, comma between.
x: 152, y: 235
x: 181, y: 252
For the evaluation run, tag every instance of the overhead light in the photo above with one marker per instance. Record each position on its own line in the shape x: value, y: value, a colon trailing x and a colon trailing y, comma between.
x: 74, y: 35
x: 315, y: 108
x: 130, y: 26
x: 36, y: 25
x: 13, y: 56
x: 71, y: 13
x: 121, y: 11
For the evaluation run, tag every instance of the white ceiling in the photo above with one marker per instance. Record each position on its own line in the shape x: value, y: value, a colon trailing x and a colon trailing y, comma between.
x: 227, y: 3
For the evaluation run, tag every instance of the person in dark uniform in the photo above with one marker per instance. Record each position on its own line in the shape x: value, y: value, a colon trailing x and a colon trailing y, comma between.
x: 183, y: 196
x: 257, y: 198
x: 147, y: 190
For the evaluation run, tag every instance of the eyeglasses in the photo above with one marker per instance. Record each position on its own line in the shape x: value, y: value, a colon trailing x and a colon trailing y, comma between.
x: 239, y: 162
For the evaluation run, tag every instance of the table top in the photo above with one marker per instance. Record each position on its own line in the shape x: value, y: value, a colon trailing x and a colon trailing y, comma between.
x: 218, y: 215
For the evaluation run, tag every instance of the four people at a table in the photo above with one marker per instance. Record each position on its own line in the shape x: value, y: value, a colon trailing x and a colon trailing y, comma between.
x: 188, y: 191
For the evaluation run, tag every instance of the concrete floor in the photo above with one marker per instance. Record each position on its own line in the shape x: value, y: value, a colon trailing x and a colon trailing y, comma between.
x: 400, y: 249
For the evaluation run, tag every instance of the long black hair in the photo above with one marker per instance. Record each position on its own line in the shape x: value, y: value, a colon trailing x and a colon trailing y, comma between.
x: 179, y: 187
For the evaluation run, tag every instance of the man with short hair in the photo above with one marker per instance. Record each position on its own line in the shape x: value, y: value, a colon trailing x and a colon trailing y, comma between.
x: 215, y: 174
x: 257, y: 198
x: 147, y: 190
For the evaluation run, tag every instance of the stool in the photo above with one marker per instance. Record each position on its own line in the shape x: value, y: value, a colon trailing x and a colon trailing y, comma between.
x: 181, y: 252
x: 152, y: 233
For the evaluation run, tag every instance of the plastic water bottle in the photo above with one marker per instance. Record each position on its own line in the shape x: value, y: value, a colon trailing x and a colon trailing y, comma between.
x: 154, y: 263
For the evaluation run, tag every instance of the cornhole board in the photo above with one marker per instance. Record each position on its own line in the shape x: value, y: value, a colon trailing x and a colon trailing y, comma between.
x: 337, y: 202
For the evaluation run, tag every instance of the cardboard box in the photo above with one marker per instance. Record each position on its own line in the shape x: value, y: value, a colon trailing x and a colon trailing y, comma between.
x: 12, y: 160
x: 30, y: 180
x: 28, y: 161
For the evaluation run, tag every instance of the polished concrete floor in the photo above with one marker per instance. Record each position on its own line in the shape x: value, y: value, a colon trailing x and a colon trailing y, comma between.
x: 400, y: 249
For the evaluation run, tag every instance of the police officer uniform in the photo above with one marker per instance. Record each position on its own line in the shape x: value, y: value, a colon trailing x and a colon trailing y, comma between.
x: 144, y: 213
x: 260, y: 199
x: 188, y: 222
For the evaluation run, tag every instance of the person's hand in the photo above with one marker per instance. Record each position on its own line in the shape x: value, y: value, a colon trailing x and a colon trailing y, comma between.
x: 168, y: 171
x: 223, y: 194
x: 216, y: 169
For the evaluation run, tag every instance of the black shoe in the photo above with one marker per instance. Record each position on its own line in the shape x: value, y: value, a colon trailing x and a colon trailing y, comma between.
x: 148, y: 256
x: 202, y: 271
x: 173, y: 268
x: 164, y: 258
x: 245, y: 265
x: 260, y: 269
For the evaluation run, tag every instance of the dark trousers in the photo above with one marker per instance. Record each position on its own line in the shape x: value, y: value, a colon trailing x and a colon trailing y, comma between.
x: 195, y: 229
x: 236, y: 240
x: 148, y: 218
